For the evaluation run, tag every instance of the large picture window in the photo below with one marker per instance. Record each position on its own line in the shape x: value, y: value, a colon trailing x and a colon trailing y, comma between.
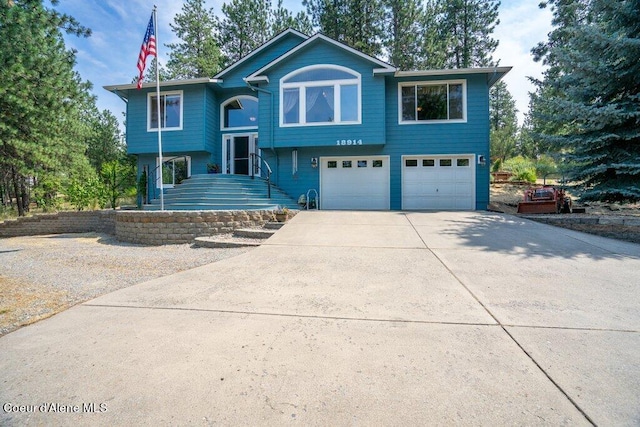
x: 432, y: 102
x: 240, y: 112
x: 320, y: 94
x: 170, y: 111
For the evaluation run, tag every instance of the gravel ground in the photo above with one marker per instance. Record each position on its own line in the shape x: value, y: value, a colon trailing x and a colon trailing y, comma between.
x: 43, y: 275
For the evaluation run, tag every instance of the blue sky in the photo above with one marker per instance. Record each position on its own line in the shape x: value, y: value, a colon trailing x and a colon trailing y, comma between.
x: 110, y: 55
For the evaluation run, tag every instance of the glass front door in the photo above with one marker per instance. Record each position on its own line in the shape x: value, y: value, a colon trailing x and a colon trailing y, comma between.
x: 241, y: 155
x: 237, y: 151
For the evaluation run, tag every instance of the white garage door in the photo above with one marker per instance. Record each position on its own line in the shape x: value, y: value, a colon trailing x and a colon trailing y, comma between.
x: 438, y: 182
x: 354, y: 182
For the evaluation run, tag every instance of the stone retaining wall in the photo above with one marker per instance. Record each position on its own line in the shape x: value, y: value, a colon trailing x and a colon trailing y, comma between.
x: 627, y: 221
x: 62, y: 222
x: 143, y: 227
x: 173, y: 227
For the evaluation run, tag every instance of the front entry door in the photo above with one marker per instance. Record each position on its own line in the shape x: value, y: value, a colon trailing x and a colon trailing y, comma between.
x: 237, y: 151
x: 241, y: 155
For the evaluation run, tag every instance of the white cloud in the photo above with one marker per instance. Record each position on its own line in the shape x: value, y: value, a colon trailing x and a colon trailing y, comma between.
x: 522, y: 26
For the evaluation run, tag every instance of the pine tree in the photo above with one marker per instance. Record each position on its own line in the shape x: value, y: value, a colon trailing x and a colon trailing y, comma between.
x: 465, y: 28
x: 39, y: 96
x: 197, y: 55
x: 244, y: 28
x: 592, y: 95
x: 357, y: 23
x: 503, y: 122
x: 435, y: 42
x: 282, y: 19
x: 403, y: 33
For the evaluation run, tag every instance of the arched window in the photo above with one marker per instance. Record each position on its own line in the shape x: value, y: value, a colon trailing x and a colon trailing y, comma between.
x: 320, y: 95
x: 240, y: 112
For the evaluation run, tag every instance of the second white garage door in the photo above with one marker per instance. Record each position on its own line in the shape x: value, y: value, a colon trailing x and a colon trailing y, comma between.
x: 438, y: 182
x: 354, y: 182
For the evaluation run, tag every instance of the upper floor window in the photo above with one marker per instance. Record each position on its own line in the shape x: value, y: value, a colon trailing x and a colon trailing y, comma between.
x: 170, y: 111
x: 432, y: 102
x: 320, y: 95
x: 240, y: 112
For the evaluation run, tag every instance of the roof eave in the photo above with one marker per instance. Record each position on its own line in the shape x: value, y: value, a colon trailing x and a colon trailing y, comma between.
x: 501, y: 71
x: 167, y: 83
x: 256, y: 79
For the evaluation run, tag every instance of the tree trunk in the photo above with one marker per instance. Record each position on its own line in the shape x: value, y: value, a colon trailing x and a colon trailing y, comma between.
x: 16, y: 192
x: 24, y: 195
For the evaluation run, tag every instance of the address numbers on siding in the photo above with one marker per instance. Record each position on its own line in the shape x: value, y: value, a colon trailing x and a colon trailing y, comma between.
x: 348, y: 142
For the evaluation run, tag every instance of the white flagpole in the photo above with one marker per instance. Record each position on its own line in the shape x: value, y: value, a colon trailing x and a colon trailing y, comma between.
x: 155, y: 26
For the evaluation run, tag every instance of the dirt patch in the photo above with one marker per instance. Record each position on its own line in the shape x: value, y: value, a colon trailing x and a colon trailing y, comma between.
x: 43, y: 275
x: 505, y: 198
x: 23, y: 303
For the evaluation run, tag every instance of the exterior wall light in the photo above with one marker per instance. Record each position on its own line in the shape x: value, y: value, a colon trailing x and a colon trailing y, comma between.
x: 314, y: 162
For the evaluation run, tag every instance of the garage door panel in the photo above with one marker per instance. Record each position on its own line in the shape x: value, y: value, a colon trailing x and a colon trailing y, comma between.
x: 361, y: 186
x: 438, y: 182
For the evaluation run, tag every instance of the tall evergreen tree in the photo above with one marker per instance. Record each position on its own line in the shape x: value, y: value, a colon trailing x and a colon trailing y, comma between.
x: 282, y: 18
x: 103, y: 141
x: 592, y: 95
x: 465, y: 27
x: 435, y: 42
x: 503, y: 122
x: 197, y: 54
x: 39, y: 95
x: 357, y: 23
x: 245, y: 26
x: 403, y: 32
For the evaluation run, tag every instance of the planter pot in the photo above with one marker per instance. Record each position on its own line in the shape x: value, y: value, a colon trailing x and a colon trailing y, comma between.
x: 281, y: 217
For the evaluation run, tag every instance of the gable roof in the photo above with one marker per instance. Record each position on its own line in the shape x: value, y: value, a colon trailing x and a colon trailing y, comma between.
x: 383, y: 67
x: 260, y: 49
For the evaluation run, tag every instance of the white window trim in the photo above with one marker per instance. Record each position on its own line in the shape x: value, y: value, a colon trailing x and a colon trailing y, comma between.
x: 302, y: 107
x: 433, y: 83
x: 222, y: 127
x: 149, y: 112
x: 167, y: 159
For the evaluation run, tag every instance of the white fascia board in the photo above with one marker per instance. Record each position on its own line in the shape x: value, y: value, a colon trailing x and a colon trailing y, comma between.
x: 384, y: 66
x: 167, y: 83
x: 260, y: 49
x: 257, y: 79
x: 377, y: 71
x: 453, y: 71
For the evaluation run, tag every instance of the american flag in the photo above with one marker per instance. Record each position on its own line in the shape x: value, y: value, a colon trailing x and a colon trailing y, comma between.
x: 148, y: 48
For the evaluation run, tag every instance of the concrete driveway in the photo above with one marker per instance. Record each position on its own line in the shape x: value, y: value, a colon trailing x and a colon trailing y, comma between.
x: 378, y: 318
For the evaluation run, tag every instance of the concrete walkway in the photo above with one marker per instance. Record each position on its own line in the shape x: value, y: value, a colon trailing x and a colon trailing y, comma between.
x: 342, y: 318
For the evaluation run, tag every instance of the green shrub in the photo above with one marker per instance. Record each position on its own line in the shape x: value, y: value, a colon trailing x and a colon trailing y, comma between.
x: 497, y: 165
x: 522, y: 169
x: 546, y: 166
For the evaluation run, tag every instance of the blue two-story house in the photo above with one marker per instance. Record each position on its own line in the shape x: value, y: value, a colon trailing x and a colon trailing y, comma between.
x: 326, y: 117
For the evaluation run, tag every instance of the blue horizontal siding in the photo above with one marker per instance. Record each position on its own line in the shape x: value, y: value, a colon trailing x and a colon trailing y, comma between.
x: 372, y: 129
x: 190, y: 138
x: 471, y: 137
x: 234, y: 78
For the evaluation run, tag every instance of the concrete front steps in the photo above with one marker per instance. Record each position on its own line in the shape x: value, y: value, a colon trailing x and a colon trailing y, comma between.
x: 223, y: 192
x: 242, y: 237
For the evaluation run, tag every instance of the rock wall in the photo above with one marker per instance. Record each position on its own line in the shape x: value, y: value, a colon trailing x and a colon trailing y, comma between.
x: 173, y: 227
x: 62, y: 222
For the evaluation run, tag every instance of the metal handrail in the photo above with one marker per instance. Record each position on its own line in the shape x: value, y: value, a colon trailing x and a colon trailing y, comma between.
x: 152, y: 176
x: 256, y: 166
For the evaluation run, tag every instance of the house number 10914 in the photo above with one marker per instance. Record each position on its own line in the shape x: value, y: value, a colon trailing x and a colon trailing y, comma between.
x: 348, y: 142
